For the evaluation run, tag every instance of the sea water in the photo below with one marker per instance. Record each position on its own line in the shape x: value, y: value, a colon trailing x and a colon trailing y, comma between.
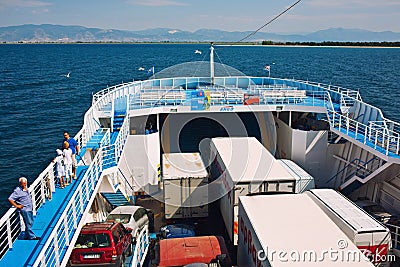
x: 38, y: 102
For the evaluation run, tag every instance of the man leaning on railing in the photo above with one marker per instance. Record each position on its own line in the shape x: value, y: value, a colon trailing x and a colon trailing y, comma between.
x: 22, y: 200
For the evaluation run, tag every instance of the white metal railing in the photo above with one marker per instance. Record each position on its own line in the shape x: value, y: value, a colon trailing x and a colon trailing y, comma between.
x: 141, y: 248
x: 10, y: 230
x: 105, y: 140
x: 373, y: 135
x: 112, y: 153
x: 121, y: 138
x: 41, y: 190
x: 107, y: 91
x: 395, y: 232
x: 336, y: 89
x: 57, y: 247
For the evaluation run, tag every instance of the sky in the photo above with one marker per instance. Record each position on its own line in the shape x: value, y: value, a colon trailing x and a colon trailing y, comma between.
x: 191, y: 15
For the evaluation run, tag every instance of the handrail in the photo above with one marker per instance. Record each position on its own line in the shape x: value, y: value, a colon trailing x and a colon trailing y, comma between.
x: 121, y: 138
x: 359, y: 165
x: 40, y: 190
x: 141, y: 248
x: 61, y: 236
x: 127, y: 183
x: 395, y: 231
x: 372, y: 135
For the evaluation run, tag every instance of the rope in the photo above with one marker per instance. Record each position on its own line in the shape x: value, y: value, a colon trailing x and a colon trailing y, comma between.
x: 269, y: 22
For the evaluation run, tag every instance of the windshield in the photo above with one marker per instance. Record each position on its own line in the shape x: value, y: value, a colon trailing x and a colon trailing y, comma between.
x: 93, y: 241
x: 123, y: 218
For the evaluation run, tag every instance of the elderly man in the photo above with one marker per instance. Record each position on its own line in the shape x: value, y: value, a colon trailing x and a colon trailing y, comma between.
x: 22, y: 200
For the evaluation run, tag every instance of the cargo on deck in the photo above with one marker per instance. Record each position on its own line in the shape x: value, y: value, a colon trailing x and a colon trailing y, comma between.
x: 243, y: 166
x: 291, y: 230
x: 369, y: 235
x: 185, y: 182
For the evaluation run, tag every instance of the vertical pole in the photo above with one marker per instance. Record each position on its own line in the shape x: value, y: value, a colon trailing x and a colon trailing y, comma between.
x: 212, y: 64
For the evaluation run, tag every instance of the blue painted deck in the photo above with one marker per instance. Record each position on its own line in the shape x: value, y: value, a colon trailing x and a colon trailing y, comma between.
x: 24, y: 252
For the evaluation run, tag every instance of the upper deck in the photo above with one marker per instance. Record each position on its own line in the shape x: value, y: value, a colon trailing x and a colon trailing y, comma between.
x: 347, y: 114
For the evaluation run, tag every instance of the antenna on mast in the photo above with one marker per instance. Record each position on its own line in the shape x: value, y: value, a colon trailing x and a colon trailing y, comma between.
x: 212, y: 63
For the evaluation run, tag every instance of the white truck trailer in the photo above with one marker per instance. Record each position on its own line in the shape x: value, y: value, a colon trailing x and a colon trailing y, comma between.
x: 185, y: 180
x: 291, y: 230
x: 369, y: 235
x: 243, y: 166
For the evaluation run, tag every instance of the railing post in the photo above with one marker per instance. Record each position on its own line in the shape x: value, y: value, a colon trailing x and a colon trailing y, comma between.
x: 56, y: 252
x: 9, y: 237
x: 42, y: 185
x: 81, y: 198
x: 365, y: 134
x: 34, y: 203
x: 340, y: 121
x: 356, y: 129
x: 74, y: 214
x: 52, y: 182
x: 387, y: 144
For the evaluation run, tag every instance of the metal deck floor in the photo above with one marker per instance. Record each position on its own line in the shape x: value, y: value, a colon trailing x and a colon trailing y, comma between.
x: 24, y: 252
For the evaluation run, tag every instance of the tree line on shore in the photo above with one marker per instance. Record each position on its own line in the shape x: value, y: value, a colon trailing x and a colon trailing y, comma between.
x: 333, y: 43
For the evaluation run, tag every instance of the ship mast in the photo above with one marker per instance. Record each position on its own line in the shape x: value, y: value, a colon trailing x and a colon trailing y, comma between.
x: 212, y: 64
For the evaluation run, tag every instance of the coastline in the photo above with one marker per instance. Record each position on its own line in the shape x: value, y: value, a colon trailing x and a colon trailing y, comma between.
x: 259, y: 44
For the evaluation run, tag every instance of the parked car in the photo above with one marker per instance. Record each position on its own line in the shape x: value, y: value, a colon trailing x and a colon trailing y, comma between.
x: 132, y: 217
x: 375, y: 210
x: 177, y: 231
x: 105, y: 244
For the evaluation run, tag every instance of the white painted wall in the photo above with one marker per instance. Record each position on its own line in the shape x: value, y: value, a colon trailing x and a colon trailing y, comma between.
x: 293, y: 144
x: 140, y: 159
x: 284, y: 140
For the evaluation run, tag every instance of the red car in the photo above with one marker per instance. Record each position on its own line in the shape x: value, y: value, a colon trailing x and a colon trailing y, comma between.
x: 102, y: 244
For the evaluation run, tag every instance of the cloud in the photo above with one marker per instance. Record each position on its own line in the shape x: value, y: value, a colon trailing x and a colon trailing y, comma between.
x: 156, y: 3
x: 353, y: 3
x: 40, y: 11
x: 23, y: 3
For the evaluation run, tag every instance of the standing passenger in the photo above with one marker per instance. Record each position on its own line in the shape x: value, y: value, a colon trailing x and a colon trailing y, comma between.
x: 60, y: 167
x: 67, y: 152
x: 75, y: 150
x: 22, y: 200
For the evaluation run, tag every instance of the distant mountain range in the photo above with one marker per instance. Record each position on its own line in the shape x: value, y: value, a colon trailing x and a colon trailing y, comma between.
x: 60, y: 33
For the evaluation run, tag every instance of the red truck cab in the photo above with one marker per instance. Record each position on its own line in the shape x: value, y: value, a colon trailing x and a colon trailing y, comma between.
x: 188, y: 250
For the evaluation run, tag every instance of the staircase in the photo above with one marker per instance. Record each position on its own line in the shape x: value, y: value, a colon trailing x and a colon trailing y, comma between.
x: 356, y: 172
x: 347, y: 100
x: 118, y: 120
x: 116, y: 199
